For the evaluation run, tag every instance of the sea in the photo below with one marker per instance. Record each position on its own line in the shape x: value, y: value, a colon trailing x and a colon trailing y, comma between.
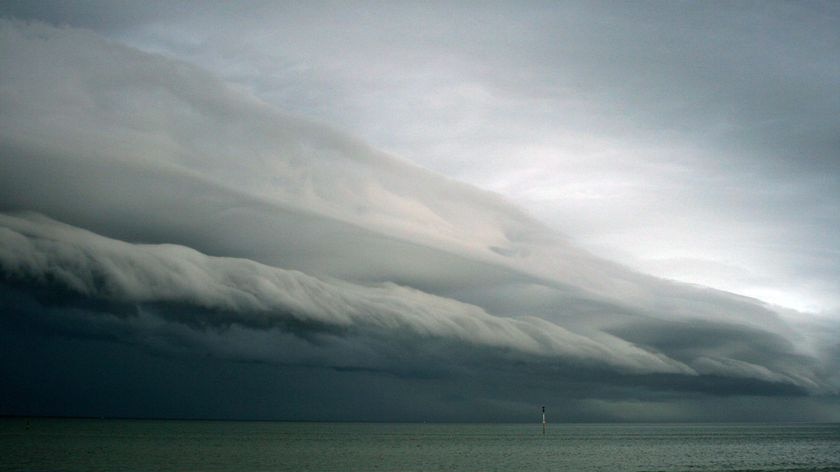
x: 41, y: 444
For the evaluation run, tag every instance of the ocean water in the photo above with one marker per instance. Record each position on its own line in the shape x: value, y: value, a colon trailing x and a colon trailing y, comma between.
x: 139, y: 445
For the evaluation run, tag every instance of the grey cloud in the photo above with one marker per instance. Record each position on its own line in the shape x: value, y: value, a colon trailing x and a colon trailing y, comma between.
x: 257, y: 296
x: 621, y: 124
x: 186, y: 216
x: 667, y: 112
x: 718, y: 349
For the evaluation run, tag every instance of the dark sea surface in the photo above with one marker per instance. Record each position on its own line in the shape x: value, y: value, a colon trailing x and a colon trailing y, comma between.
x: 139, y: 445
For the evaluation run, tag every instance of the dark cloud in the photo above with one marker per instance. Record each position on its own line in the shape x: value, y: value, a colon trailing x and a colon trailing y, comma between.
x: 157, y: 216
x: 234, y: 291
x: 91, y: 14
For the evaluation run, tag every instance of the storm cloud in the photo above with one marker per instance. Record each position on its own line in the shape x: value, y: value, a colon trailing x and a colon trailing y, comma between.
x: 153, y: 211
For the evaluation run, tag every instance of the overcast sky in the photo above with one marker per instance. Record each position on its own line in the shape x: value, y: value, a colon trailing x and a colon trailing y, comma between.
x: 387, y: 210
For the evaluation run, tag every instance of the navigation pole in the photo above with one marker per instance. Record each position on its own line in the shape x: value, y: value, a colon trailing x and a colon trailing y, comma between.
x: 543, y: 411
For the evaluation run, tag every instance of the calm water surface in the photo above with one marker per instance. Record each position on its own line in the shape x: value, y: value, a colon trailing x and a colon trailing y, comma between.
x: 134, y: 445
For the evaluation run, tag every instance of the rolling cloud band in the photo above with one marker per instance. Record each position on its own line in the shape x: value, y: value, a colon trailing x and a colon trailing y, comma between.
x: 148, y: 206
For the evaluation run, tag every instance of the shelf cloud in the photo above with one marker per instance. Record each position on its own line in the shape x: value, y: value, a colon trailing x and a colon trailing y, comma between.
x: 151, y: 209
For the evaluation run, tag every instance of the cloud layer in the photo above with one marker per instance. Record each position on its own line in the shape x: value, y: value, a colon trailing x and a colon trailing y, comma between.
x: 623, y: 125
x: 184, y: 217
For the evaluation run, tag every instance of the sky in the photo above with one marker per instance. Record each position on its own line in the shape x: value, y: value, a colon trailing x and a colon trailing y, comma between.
x: 420, y: 211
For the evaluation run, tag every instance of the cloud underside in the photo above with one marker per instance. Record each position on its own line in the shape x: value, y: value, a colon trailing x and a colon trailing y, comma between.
x: 86, y: 285
x: 148, y: 204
